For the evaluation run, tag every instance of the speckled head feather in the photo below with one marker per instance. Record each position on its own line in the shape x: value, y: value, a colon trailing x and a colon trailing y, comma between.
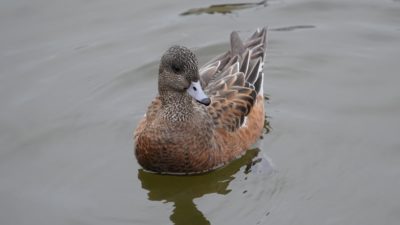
x: 177, y: 69
x: 179, y: 135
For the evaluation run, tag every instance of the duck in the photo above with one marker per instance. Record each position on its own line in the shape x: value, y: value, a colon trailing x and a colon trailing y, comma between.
x: 204, y: 118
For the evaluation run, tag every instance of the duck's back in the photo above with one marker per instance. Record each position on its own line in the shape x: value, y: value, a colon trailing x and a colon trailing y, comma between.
x: 234, y: 83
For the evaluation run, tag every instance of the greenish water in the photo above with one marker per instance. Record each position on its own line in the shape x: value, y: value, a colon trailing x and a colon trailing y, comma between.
x: 76, y: 77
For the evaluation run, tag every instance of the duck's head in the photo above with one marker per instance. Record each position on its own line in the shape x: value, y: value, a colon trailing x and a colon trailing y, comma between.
x: 179, y: 73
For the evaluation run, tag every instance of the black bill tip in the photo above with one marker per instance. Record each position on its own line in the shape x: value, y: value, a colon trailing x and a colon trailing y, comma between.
x: 205, y: 101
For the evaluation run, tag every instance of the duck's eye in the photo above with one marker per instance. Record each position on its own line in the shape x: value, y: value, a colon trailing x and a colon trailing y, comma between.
x: 175, y: 68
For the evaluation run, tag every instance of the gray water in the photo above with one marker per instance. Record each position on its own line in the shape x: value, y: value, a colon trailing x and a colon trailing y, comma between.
x: 76, y: 76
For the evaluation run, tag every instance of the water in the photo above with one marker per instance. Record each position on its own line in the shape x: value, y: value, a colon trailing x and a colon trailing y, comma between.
x: 76, y: 76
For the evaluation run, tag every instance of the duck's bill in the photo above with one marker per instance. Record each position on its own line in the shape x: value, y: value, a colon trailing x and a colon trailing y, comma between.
x: 197, y: 93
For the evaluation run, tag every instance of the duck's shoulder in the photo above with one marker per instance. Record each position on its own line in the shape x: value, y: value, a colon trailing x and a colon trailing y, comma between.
x: 151, y: 114
x: 153, y: 109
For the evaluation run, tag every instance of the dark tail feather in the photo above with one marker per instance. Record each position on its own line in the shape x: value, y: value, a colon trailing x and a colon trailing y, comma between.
x: 237, y: 47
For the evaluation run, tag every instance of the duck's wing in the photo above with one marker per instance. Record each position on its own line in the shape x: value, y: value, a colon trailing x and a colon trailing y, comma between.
x: 234, y: 79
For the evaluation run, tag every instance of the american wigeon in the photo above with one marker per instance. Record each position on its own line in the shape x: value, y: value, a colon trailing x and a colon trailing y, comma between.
x: 187, y: 130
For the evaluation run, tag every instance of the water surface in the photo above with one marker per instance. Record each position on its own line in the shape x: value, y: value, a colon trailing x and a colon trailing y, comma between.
x: 76, y: 76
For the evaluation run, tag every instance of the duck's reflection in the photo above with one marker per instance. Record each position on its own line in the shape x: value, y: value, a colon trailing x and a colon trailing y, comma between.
x: 182, y: 190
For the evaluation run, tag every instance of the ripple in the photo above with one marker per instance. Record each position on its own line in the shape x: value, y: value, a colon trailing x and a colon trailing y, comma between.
x: 291, y: 28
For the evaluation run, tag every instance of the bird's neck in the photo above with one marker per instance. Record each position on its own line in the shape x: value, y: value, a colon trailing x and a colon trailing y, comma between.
x: 176, y: 106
